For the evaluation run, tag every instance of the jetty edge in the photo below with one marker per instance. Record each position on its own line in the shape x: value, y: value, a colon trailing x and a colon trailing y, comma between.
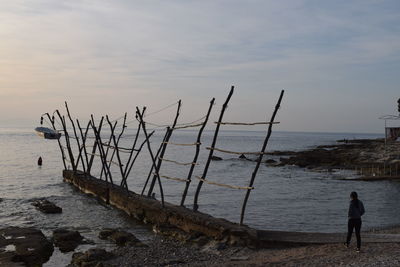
x: 151, y: 211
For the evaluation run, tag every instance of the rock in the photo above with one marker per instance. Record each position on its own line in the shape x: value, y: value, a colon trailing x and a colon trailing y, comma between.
x: 242, y: 258
x: 91, y: 258
x: 242, y: 156
x: 66, y: 240
x: 27, y: 245
x: 216, y: 158
x: 119, y: 237
x: 201, y: 241
x: 46, y: 206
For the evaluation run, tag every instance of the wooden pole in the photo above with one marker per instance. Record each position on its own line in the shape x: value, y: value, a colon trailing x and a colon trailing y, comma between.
x: 158, y: 166
x: 116, y: 150
x: 58, y: 140
x: 224, y: 106
x: 84, y: 136
x: 198, y: 144
x: 153, y: 160
x: 124, y: 183
x: 153, y: 165
x: 82, y: 147
x: 253, y: 176
x: 94, y: 144
x: 102, y: 153
x: 132, y: 149
x: 76, y: 136
x: 107, y: 150
x: 67, y: 143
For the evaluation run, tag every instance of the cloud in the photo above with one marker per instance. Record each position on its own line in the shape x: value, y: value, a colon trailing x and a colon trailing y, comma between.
x: 119, y: 50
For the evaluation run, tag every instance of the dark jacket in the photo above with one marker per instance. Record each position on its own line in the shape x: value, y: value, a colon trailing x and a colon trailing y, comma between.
x: 354, y: 211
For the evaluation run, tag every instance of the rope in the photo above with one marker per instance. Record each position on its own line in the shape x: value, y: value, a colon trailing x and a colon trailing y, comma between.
x: 188, y: 123
x: 113, y: 162
x: 179, y: 163
x: 172, y: 178
x: 180, y: 125
x: 189, y: 126
x: 233, y: 152
x: 117, y: 119
x: 225, y: 185
x: 176, y: 144
x: 127, y: 150
x: 244, y: 123
x: 162, y: 109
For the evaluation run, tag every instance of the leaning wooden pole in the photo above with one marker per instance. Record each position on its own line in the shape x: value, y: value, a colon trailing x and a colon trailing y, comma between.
x: 153, y: 165
x: 94, y: 145
x: 260, y: 157
x: 198, y: 144
x: 84, y: 137
x: 165, y: 144
x: 116, y: 143
x: 124, y: 183
x: 108, y: 149
x: 67, y: 143
x: 58, y: 140
x: 102, y: 153
x: 76, y: 136
x: 116, y: 150
x: 133, y: 148
x: 224, y: 106
x: 81, y: 148
x: 150, y: 151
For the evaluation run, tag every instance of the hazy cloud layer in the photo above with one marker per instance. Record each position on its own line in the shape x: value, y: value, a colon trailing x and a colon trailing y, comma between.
x: 338, y: 60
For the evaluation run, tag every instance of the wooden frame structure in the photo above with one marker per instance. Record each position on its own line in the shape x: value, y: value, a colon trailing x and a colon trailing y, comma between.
x: 109, y: 150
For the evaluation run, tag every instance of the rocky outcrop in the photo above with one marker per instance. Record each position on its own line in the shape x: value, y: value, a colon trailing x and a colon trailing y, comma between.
x: 375, y: 153
x: 26, y: 245
x: 46, y: 206
x: 67, y: 240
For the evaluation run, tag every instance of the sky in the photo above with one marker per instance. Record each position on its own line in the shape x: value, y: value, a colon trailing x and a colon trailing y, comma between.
x: 338, y: 61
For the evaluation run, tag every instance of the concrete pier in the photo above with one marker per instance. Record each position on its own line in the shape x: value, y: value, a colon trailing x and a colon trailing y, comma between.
x: 152, y: 212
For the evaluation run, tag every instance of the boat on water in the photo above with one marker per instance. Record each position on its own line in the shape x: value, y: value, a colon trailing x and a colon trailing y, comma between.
x: 47, y: 133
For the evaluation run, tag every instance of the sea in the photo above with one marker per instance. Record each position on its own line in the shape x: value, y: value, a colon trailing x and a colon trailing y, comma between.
x: 286, y: 198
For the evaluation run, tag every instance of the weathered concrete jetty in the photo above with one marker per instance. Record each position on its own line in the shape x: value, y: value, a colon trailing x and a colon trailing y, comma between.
x: 151, y: 211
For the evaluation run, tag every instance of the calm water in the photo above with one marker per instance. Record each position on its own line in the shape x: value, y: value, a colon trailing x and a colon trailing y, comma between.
x: 285, y: 198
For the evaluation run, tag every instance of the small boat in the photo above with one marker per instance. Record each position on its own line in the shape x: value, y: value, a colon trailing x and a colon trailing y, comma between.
x: 47, y: 133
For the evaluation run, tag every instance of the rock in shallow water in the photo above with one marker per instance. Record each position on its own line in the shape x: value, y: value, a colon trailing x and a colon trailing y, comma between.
x: 27, y: 245
x: 216, y: 158
x: 46, y: 206
x: 66, y: 240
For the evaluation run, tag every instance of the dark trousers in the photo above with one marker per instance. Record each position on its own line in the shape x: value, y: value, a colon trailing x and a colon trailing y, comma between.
x: 354, y: 223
